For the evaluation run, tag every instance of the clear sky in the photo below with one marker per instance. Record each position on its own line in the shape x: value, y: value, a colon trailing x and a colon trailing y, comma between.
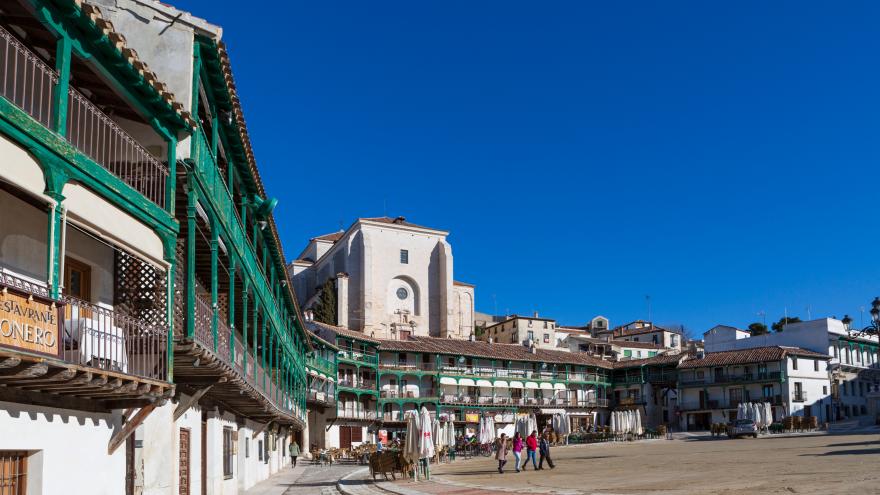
x: 720, y: 158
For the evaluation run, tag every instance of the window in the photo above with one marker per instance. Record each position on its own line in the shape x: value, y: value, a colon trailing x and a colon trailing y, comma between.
x: 13, y: 472
x: 545, y: 324
x: 530, y: 323
x: 824, y: 390
x: 673, y: 341
x: 404, y: 257
x: 654, y: 338
x: 652, y: 353
x: 402, y: 293
x: 836, y: 351
x: 247, y: 447
x: 546, y: 338
x: 77, y: 279
x: 736, y: 396
x: 627, y: 353
x: 767, y: 391
x: 260, y: 450
x: 531, y: 335
x: 227, y: 452
x: 794, y: 361
x: 815, y: 365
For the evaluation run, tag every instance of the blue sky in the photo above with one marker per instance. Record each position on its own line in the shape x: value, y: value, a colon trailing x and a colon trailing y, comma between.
x: 721, y: 158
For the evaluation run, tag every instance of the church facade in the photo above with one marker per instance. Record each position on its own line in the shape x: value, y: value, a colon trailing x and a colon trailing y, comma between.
x: 392, y: 279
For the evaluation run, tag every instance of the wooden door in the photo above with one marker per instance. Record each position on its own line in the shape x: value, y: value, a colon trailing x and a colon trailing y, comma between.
x: 183, y: 463
x: 345, y: 437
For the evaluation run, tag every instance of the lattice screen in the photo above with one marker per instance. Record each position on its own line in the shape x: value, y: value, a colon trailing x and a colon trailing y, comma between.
x: 180, y: 288
x: 139, y: 289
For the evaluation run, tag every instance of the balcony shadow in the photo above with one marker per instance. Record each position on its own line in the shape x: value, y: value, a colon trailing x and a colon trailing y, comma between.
x: 845, y: 452
x: 854, y: 444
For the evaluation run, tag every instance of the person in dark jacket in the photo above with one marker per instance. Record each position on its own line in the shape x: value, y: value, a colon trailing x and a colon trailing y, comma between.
x: 544, y: 452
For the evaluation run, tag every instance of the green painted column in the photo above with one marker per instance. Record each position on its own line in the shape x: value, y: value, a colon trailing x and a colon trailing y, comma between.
x: 192, y: 200
x: 244, y: 324
x: 53, y: 253
x: 263, y: 384
x: 171, y: 180
x: 231, y: 312
x: 170, y: 255
x: 62, y: 88
x: 215, y: 240
x: 256, y: 343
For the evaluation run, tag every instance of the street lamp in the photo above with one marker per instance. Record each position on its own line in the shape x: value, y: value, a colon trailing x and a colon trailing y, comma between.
x: 874, y: 327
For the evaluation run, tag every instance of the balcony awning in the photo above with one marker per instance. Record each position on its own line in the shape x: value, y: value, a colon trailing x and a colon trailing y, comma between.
x: 445, y: 380
x: 515, y: 384
x: 466, y: 382
x: 532, y: 385
x: 500, y: 384
x: 546, y: 386
x: 484, y: 383
x: 559, y: 386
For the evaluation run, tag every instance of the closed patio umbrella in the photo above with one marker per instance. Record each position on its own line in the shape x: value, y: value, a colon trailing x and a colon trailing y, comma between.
x: 612, y: 423
x: 426, y: 444
x: 413, y: 434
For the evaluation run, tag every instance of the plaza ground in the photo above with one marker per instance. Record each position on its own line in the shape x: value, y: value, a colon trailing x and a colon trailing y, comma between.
x: 697, y: 465
x: 800, y: 464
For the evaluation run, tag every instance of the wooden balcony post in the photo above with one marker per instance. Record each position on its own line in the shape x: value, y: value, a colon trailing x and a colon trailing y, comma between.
x: 264, y: 351
x: 244, y: 324
x: 192, y: 200
x: 231, y: 311
x: 215, y: 239
x: 62, y: 88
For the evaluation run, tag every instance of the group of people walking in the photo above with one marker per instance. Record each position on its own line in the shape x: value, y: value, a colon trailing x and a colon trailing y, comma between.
x: 534, y: 445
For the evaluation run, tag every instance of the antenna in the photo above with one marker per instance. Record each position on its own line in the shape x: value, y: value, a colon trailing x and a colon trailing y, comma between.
x: 809, y: 312
x: 763, y: 315
x: 495, y: 303
x: 648, y: 303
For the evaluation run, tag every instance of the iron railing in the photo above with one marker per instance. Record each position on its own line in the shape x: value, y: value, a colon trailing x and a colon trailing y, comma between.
x: 25, y: 80
x: 105, y: 339
x: 349, y: 413
x: 409, y: 394
x: 100, y: 138
x: 30, y: 84
x: 398, y: 366
x: 358, y: 384
x: 364, y: 357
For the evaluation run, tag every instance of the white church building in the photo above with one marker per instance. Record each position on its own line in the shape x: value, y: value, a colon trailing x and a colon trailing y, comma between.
x: 393, y: 279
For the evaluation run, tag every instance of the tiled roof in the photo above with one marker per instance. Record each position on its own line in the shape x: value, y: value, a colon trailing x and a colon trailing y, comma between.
x: 485, y: 350
x: 463, y: 284
x: 345, y: 332
x: 657, y: 360
x: 335, y: 236
x: 321, y: 340
x: 93, y: 13
x: 395, y: 221
x: 746, y: 356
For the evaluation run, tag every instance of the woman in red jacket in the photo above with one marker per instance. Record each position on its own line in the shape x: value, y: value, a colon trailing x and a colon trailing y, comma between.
x: 531, y: 448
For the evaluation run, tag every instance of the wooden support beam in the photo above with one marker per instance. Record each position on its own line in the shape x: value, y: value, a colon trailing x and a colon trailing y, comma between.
x: 260, y: 430
x: 24, y: 371
x: 189, y: 401
x: 128, y: 428
x: 9, y: 362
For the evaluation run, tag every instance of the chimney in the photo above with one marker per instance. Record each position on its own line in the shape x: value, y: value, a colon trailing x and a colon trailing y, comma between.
x: 490, y: 340
x: 535, y: 314
x: 399, y: 220
x: 533, y: 349
x: 472, y: 338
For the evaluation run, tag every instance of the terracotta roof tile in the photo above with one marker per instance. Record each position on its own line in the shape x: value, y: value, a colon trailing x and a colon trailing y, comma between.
x: 657, y: 360
x: 747, y: 356
x: 395, y: 221
x: 480, y: 349
x: 335, y: 236
x: 345, y: 332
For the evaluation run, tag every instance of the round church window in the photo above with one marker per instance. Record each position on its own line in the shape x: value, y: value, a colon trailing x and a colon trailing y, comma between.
x: 402, y: 293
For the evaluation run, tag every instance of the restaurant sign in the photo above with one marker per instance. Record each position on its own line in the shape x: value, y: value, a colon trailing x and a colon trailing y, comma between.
x: 28, y: 324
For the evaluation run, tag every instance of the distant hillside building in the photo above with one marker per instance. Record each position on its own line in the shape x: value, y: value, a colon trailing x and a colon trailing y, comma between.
x: 393, y: 279
x: 522, y: 330
x: 643, y: 331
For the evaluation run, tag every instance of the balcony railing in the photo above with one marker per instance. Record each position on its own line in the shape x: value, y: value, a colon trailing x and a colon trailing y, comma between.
x: 409, y: 394
x: 355, y: 414
x: 799, y: 396
x: 104, y: 339
x: 415, y: 367
x: 10, y: 280
x: 250, y: 369
x: 358, y: 384
x: 29, y: 83
x: 730, y: 378
x: 521, y: 401
x: 101, y: 139
x: 25, y: 80
x: 323, y: 365
x: 363, y: 357
x: 488, y: 371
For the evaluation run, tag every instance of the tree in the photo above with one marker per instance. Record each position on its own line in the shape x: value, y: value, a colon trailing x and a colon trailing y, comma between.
x: 758, y: 328
x: 325, y: 308
x: 777, y: 327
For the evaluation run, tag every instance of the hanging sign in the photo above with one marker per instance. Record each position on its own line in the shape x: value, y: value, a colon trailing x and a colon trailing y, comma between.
x: 472, y: 418
x: 28, y: 325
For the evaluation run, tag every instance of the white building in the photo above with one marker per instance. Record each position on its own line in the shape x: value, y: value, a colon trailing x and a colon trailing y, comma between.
x: 854, y: 367
x: 642, y: 331
x: 793, y: 380
x: 523, y: 329
x: 392, y: 279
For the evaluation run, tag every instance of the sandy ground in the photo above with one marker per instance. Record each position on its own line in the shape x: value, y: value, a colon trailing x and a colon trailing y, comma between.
x: 827, y: 464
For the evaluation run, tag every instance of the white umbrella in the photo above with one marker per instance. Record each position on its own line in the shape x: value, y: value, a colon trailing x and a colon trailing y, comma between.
x: 413, y: 434
x: 756, y: 412
x: 639, y: 429
x: 450, y: 434
x: 437, y: 437
x: 612, y: 424
x: 426, y: 443
x: 740, y: 411
x: 768, y: 411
